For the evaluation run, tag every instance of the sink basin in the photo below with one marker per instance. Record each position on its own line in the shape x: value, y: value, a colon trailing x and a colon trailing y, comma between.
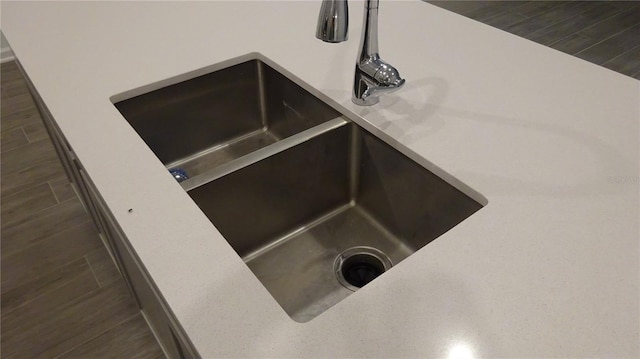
x: 199, y: 121
x: 298, y: 216
x: 315, y: 205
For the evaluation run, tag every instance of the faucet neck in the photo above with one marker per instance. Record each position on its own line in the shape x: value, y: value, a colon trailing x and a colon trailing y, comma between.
x: 369, y: 38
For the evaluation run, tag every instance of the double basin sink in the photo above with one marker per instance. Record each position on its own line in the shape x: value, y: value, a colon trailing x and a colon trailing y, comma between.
x: 315, y: 205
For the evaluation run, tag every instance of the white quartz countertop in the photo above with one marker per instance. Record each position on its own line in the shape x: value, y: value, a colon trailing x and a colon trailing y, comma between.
x: 548, y: 268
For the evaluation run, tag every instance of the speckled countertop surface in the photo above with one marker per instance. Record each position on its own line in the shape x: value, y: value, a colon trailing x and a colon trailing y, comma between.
x: 549, y: 268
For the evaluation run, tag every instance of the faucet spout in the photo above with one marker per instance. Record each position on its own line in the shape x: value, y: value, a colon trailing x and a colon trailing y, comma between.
x: 373, y: 76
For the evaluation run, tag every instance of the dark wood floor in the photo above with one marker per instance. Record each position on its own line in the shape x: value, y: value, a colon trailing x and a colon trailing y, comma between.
x: 606, y: 33
x: 62, y: 297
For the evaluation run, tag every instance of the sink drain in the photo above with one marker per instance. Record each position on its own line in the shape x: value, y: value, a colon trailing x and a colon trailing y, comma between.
x: 358, y: 266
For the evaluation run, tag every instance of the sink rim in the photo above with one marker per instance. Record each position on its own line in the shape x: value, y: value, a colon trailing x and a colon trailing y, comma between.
x: 345, y: 117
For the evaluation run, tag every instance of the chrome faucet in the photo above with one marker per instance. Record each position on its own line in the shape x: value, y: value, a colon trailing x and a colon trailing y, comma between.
x: 373, y: 76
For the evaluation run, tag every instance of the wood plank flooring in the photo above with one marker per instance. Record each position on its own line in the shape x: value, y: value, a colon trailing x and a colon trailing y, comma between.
x: 61, y: 296
x: 606, y: 33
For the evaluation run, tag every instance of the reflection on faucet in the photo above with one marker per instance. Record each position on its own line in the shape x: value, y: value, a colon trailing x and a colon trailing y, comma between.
x: 373, y: 76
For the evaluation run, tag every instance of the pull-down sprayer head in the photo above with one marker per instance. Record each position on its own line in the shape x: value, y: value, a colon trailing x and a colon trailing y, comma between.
x: 333, y: 21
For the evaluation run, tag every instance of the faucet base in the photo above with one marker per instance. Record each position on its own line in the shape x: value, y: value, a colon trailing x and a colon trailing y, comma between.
x: 369, y: 101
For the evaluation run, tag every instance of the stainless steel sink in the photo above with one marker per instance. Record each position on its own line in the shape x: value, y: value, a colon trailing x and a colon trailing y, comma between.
x: 315, y: 205
x: 199, y: 123
x: 297, y: 215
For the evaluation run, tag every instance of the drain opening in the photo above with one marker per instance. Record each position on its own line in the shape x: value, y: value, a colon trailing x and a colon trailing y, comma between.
x: 361, y: 269
x: 358, y: 266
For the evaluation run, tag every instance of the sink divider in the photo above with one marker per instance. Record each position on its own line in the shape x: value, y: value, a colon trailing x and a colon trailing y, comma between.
x: 263, y: 153
x: 195, y: 156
